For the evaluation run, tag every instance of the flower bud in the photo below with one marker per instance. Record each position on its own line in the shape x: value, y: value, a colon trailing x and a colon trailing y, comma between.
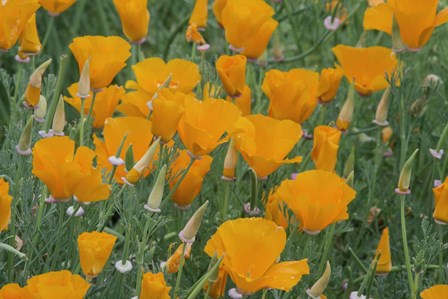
x: 382, y: 109
x: 156, y: 195
x: 188, y: 234
x: 346, y: 113
x: 384, y: 263
x: 386, y: 133
x: 84, y: 81
x: 193, y: 35
x: 32, y: 92
x: 397, y: 43
x: 24, y: 146
x: 405, y: 176
x: 136, y: 172
x: 173, y: 263
x: 59, y: 118
x: 230, y: 162
x: 319, y: 287
x: 41, y: 110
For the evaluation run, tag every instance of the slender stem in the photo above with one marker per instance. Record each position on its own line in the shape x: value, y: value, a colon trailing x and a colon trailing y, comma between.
x: 328, y: 241
x: 81, y: 123
x: 323, y: 112
x: 405, y: 245
x: 441, y: 263
x: 225, y: 206
x: 179, y: 274
x: 57, y: 92
x: 358, y: 261
x: 18, y: 81
x: 12, y: 250
x: 49, y: 30
x: 184, y: 174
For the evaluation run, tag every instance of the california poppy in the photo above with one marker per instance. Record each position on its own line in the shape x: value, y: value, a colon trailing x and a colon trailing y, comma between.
x: 135, y: 17
x: 367, y: 68
x: 218, y: 287
x: 204, y: 123
x: 317, y: 198
x: 14, y: 291
x: 66, y: 173
x: 5, y: 204
x: 292, y: 94
x: 63, y: 283
x: 29, y: 39
x: 256, y: 44
x: 104, y: 105
x: 384, y: 263
x: 217, y: 8
x: 199, y: 14
x: 441, y: 203
x: 193, y: 35
x: 329, y: 81
x: 416, y: 20
x: 244, y: 101
x: 276, y: 211
x: 435, y: 292
x: 173, y: 262
x: 264, y: 142
x: 191, y: 185
x: 154, y: 286
x: 108, y: 55
x: 251, y: 269
x: 95, y: 249
x: 325, y: 147
x: 14, y: 15
x: 232, y: 72
x: 56, y: 7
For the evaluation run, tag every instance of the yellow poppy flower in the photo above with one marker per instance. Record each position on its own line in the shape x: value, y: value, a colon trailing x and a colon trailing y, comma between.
x: 329, y: 81
x: 244, y: 101
x: 14, y: 15
x: 251, y: 269
x: 325, y: 147
x: 191, y: 185
x: 60, y: 284
x: 292, y: 95
x: 29, y: 39
x: 66, y: 173
x: 199, y: 14
x: 276, y: 211
x: 441, y: 203
x: 385, y: 262
x: 135, y: 17
x: 317, y: 198
x: 138, y: 132
x: 56, y: 7
x: 154, y: 286
x: 255, y: 45
x: 95, y: 249
x: 173, y: 263
x: 232, y: 72
x: 14, y: 291
x: 104, y: 105
x: 416, y: 20
x: 218, y: 6
x: 366, y: 67
x: 435, y: 292
x: 204, y: 123
x: 167, y: 109
x: 218, y: 288
x: 5, y: 205
x: 108, y: 55
x: 264, y: 142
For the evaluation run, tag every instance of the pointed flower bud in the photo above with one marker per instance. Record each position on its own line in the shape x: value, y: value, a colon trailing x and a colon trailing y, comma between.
x: 32, y: 92
x: 41, y: 110
x: 188, y: 234
x: 405, y: 176
x: 24, y: 146
x: 382, y: 109
x: 319, y: 287
x: 84, y: 81
x: 136, y: 172
x: 230, y: 162
x: 346, y: 114
x: 156, y: 195
x: 384, y: 262
x: 59, y: 118
x: 397, y: 43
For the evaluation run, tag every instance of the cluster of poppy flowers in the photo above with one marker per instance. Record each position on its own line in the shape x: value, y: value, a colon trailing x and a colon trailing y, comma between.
x: 161, y: 102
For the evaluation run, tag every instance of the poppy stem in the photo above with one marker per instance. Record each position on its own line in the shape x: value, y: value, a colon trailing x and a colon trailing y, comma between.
x: 12, y: 250
x: 81, y: 123
x: 328, y: 241
x: 57, y: 92
x: 441, y: 263
x: 225, y: 206
x: 179, y: 274
x: 405, y: 245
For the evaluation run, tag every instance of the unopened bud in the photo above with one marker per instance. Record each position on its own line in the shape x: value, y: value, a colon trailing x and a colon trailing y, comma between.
x: 156, y: 195
x: 382, y: 109
x: 405, y: 176
x: 397, y: 43
x: 32, y: 92
x: 319, y: 287
x: 41, y: 110
x: 188, y: 234
x: 346, y: 114
x: 59, y: 118
x: 136, y: 172
x: 230, y: 162
x: 24, y: 146
x: 84, y: 81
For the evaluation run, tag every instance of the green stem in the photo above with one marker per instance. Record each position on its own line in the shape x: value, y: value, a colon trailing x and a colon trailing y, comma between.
x: 81, y: 123
x: 18, y: 81
x: 323, y: 112
x: 328, y: 241
x: 358, y: 260
x: 225, y: 206
x: 179, y: 274
x: 57, y: 92
x: 48, y: 32
x: 12, y: 250
x: 405, y: 244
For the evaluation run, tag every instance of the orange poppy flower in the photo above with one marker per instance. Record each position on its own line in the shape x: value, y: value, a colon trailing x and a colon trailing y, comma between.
x: 367, y: 67
x: 173, y: 263
x: 232, y: 72
x: 104, y: 105
x: 329, y: 81
x: 66, y: 173
x: 325, y: 147
x: 204, y: 122
x: 29, y: 39
x: 292, y: 95
x: 5, y: 205
x: 138, y: 132
x: 317, y: 198
x: 135, y: 17
x: 264, y: 142
x: 416, y: 20
x: 14, y: 15
x: 251, y: 269
x: 375, y: 2
x: 191, y: 185
x: 276, y: 211
x: 218, y: 288
x: 244, y: 101
x: 193, y: 35
x: 154, y: 286
x: 61, y: 284
x: 150, y: 75
x: 95, y: 249
x: 108, y: 55
x: 435, y: 292
x: 384, y: 263
x: 56, y: 7
x: 255, y: 45
x: 199, y: 14
x: 218, y: 6
x: 441, y: 203
x: 14, y: 291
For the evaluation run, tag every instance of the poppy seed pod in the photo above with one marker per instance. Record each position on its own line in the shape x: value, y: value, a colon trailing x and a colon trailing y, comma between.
x: 156, y: 195
x: 405, y: 176
x: 188, y: 234
x: 32, y: 92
